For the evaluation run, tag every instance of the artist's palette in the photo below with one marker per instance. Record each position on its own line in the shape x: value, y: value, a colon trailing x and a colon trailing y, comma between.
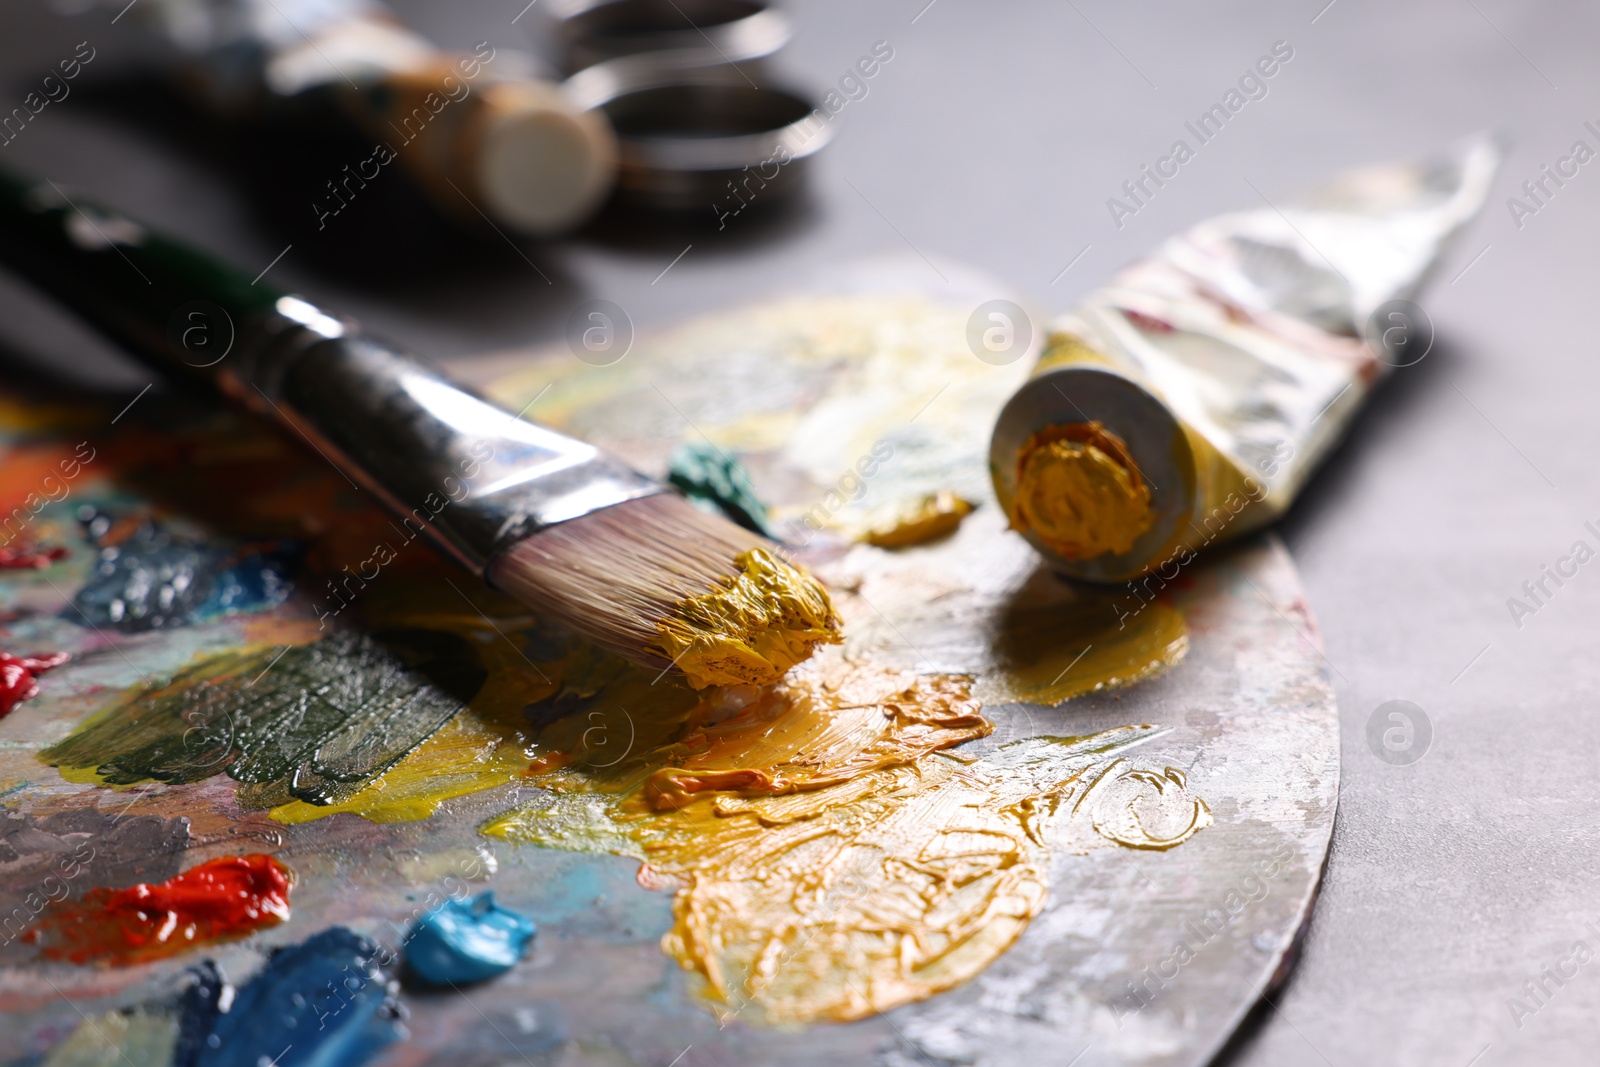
x: 1115, y: 871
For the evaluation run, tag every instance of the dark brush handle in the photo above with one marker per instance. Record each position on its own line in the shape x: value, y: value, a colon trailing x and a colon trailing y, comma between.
x: 471, y: 477
x: 169, y: 304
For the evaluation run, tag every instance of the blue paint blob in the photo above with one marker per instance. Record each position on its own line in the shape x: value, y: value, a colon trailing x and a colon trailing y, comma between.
x: 464, y: 941
x: 152, y: 579
x: 256, y: 582
x: 197, y: 1009
x: 322, y: 1003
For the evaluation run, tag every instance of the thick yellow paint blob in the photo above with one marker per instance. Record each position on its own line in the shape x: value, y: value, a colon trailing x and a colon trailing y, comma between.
x: 1080, y: 492
x: 932, y: 516
x: 830, y: 859
x: 764, y: 620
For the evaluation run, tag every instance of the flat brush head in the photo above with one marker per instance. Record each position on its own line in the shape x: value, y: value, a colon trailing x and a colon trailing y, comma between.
x: 661, y: 583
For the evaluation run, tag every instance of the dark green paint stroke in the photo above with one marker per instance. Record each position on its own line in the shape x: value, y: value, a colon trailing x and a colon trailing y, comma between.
x: 709, y: 476
x: 317, y: 725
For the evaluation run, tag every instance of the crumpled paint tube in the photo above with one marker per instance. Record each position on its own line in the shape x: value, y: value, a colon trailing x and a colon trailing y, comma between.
x: 1189, y: 401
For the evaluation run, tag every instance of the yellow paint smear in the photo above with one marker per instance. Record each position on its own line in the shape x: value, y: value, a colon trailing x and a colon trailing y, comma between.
x: 1050, y: 654
x: 115, y: 1039
x: 465, y: 756
x: 1039, y: 640
x: 932, y: 516
x: 767, y: 618
x: 830, y: 859
x: 1079, y: 491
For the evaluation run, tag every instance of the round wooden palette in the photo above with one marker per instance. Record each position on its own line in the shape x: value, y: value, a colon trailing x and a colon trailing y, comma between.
x: 1181, y: 854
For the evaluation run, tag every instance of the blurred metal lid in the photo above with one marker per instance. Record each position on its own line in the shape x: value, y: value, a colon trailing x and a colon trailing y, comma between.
x: 691, y: 136
x: 718, y: 31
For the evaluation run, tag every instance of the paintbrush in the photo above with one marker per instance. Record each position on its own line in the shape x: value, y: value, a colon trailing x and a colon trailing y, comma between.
x: 578, y: 535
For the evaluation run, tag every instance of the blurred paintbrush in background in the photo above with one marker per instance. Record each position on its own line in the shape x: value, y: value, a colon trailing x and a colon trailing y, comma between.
x: 478, y: 132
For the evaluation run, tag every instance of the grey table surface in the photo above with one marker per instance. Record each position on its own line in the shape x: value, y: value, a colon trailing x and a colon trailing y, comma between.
x: 994, y: 138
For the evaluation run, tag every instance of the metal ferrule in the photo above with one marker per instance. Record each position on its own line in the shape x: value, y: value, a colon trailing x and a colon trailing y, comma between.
x: 451, y: 466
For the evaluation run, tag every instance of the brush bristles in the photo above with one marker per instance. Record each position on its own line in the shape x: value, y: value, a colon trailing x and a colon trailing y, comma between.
x: 614, y: 575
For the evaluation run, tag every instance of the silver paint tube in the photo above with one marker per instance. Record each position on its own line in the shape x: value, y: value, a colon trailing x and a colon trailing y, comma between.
x: 1226, y: 365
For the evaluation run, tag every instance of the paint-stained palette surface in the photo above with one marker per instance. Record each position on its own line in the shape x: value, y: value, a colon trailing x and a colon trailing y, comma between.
x: 1008, y: 819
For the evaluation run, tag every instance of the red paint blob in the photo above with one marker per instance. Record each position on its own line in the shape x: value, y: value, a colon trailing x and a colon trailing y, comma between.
x: 221, y: 899
x: 19, y: 677
x: 30, y: 557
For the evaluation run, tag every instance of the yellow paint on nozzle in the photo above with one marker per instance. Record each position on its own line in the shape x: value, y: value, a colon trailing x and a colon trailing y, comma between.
x: 765, y: 619
x: 1079, y: 491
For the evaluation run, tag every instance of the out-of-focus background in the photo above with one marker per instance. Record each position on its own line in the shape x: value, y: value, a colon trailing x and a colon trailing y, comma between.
x: 994, y: 138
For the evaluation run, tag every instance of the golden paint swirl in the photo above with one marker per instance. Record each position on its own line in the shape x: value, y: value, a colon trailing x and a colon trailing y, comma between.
x: 830, y: 859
